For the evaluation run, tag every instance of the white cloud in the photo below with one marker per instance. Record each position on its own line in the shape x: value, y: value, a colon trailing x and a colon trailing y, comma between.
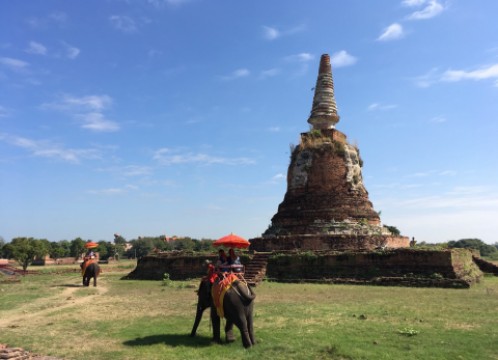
x: 237, y: 74
x: 392, y: 32
x: 269, y: 73
x: 36, y: 48
x: 270, y: 33
x: 438, y: 119
x: 96, y: 121
x: 412, y: 3
x: 489, y: 72
x: 342, y: 58
x: 84, y: 103
x: 47, y: 149
x: 162, y: 3
x: 4, y: 112
x: 301, y: 57
x: 123, y: 23
x: 114, y: 191
x: 88, y: 110
x: 166, y: 156
x: 57, y: 18
x: 71, y: 51
x: 13, y: 64
x: 432, y: 9
x: 377, y: 106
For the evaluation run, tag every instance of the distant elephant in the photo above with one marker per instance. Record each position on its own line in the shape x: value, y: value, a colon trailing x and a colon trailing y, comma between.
x: 237, y: 308
x: 90, y: 269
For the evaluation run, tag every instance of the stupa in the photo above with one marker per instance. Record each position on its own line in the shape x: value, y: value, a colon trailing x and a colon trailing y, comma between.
x: 326, y: 206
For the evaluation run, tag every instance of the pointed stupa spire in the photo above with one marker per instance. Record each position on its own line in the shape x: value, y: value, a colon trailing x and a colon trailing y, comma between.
x: 324, y: 110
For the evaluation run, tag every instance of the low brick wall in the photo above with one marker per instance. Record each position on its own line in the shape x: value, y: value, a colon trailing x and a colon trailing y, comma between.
x: 406, y: 267
x: 449, y: 268
x: 179, y: 266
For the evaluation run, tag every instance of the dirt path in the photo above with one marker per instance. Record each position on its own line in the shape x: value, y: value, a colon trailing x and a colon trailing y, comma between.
x: 38, y: 309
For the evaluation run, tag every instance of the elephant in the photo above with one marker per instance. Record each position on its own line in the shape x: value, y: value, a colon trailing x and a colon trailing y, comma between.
x: 238, y: 307
x: 90, y: 270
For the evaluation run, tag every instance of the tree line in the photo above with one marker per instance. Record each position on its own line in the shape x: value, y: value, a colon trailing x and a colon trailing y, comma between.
x: 26, y: 249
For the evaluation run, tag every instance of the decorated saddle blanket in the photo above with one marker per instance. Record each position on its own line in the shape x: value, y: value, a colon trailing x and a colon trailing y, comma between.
x: 219, y: 290
x: 85, y: 264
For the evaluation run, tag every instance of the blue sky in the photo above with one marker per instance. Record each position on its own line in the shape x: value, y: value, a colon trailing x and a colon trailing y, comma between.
x: 175, y: 117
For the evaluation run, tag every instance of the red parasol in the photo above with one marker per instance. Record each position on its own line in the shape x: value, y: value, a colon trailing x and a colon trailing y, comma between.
x: 91, y: 245
x: 232, y: 241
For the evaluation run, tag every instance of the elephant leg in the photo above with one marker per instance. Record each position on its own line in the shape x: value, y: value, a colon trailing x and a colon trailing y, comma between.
x: 250, y: 327
x: 215, y: 320
x: 230, y: 337
x: 241, y: 323
x: 198, y: 317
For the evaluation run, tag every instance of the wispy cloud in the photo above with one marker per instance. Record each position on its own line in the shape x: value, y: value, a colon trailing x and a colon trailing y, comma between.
x: 4, y: 112
x: 71, y: 52
x: 47, y: 149
x: 431, y: 9
x: 237, y: 74
x: 269, y: 73
x: 392, y: 32
x: 13, y: 64
x: 96, y: 121
x: 123, y: 23
x: 438, y: 119
x: 483, y: 73
x: 272, y: 33
x: 88, y: 110
x: 55, y: 18
x: 411, y: 3
x: 487, y: 72
x: 342, y: 58
x: 36, y: 48
x: 159, y: 4
x: 301, y: 57
x: 114, y: 191
x: 382, y: 107
x: 166, y: 156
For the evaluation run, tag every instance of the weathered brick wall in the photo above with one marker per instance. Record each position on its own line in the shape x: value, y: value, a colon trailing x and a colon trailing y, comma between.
x: 328, y: 242
x: 179, y: 267
x: 400, y: 263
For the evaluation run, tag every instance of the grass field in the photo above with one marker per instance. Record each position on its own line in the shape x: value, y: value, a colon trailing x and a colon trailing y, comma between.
x: 51, y: 314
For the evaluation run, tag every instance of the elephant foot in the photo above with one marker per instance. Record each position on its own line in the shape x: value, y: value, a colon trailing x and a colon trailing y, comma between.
x: 230, y: 336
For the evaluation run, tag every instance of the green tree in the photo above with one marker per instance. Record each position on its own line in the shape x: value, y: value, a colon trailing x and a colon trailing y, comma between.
x: 141, y: 247
x: 56, y: 250
x: 393, y: 229
x: 24, y: 250
x: 77, y: 247
x: 476, y: 244
x: 2, y: 244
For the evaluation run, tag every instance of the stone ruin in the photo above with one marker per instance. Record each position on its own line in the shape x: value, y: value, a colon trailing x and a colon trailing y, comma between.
x: 326, y: 206
x: 326, y: 228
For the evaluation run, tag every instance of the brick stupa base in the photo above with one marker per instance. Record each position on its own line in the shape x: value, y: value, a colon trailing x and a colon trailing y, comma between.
x: 328, y: 242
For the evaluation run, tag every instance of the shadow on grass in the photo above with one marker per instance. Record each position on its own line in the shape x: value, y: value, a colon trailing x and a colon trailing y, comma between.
x: 171, y: 340
x: 70, y: 285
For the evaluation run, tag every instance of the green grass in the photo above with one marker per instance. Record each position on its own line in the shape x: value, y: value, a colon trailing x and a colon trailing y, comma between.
x: 126, y: 319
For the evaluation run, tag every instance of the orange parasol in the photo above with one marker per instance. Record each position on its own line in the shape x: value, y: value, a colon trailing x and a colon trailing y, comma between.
x: 91, y: 245
x: 232, y: 241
